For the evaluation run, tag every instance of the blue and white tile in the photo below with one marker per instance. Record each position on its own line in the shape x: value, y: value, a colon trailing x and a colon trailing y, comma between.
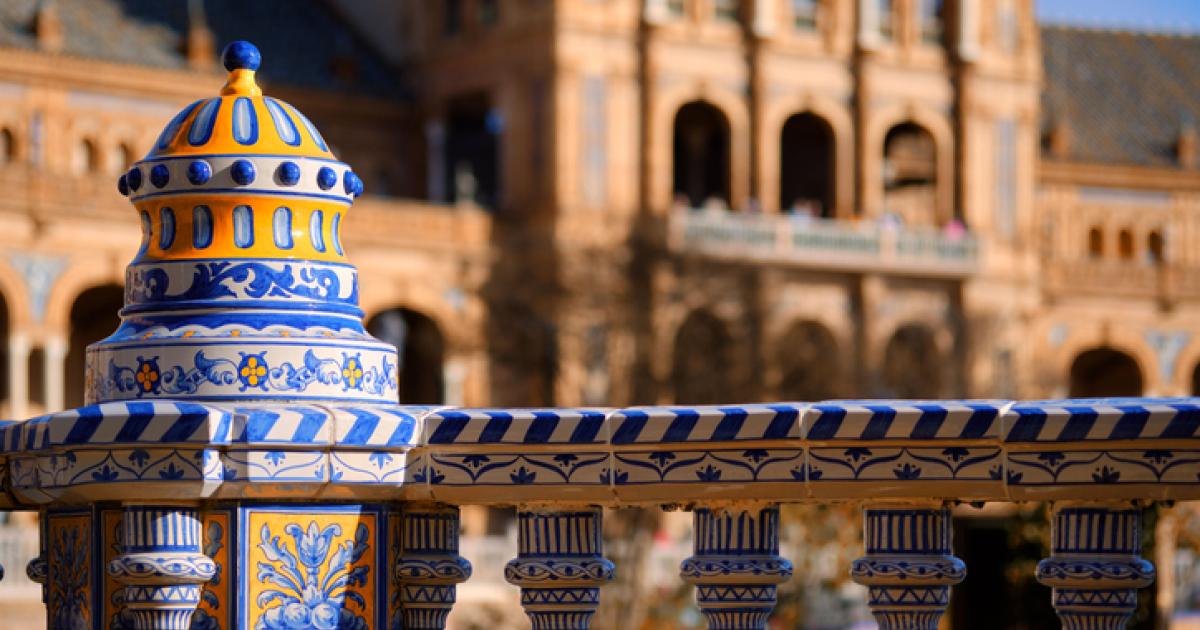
x: 529, y: 427
x: 905, y: 472
x: 704, y: 424
x: 902, y: 420
x: 522, y: 475
x: 1111, y: 448
x: 748, y: 473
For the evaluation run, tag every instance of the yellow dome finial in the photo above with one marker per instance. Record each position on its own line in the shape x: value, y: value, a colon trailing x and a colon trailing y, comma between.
x: 241, y: 59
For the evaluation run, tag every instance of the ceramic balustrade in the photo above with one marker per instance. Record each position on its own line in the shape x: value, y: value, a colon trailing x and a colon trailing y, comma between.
x: 303, y: 536
x: 241, y: 462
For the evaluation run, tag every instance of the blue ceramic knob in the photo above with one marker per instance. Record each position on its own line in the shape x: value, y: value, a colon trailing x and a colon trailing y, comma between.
x: 326, y: 178
x: 243, y: 172
x: 199, y: 172
x: 160, y: 175
x: 288, y: 173
x: 241, y: 55
x: 134, y: 179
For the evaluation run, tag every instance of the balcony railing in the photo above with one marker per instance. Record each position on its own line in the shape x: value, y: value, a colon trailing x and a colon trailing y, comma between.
x: 824, y: 243
x: 362, y: 502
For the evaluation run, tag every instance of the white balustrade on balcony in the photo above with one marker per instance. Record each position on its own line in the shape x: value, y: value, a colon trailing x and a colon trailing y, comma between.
x: 823, y: 243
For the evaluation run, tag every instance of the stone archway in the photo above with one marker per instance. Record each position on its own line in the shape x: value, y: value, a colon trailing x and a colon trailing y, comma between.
x: 701, y: 373
x: 93, y: 317
x: 422, y: 351
x: 810, y: 369
x: 701, y: 155
x: 1103, y: 372
x: 912, y: 365
x: 807, y: 166
x: 910, y: 174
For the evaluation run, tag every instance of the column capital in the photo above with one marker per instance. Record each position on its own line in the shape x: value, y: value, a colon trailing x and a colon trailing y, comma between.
x: 428, y: 567
x: 736, y: 565
x: 909, y: 565
x: 162, y: 565
x: 559, y: 566
x: 1095, y: 565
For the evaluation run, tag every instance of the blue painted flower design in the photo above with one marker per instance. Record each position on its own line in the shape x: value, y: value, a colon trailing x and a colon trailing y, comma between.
x: 69, y: 590
x: 313, y: 578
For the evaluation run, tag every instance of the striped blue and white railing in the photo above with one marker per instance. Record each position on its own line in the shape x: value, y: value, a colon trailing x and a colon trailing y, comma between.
x: 174, y: 515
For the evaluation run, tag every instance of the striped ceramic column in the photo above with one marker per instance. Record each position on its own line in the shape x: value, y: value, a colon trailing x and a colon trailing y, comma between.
x: 736, y: 566
x: 559, y: 566
x: 162, y: 565
x: 429, y: 566
x: 1095, y: 567
x: 909, y: 565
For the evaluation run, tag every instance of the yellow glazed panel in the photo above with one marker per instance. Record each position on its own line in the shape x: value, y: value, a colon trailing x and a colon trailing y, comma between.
x: 229, y: 237
x: 311, y: 568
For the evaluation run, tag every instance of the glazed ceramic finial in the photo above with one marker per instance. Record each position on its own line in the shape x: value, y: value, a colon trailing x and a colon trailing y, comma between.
x: 241, y: 289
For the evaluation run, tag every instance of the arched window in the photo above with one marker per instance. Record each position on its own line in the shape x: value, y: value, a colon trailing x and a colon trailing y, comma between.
x: 1096, y: 242
x: 422, y: 353
x: 701, y: 155
x: 806, y: 169
x: 1155, y: 248
x: 726, y: 10
x: 804, y: 14
x: 912, y: 367
x: 809, y: 365
x: 93, y: 317
x: 932, y: 20
x: 1125, y: 245
x: 884, y: 7
x: 84, y: 157
x: 120, y: 158
x: 1101, y: 372
x: 8, y: 146
x: 701, y: 371
x: 910, y: 173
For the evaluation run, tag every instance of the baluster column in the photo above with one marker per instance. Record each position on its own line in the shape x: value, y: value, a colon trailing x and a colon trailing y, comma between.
x: 1095, y: 566
x: 162, y: 565
x: 909, y: 565
x: 429, y: 565
x: 736, y: 566
x: 559, y: 566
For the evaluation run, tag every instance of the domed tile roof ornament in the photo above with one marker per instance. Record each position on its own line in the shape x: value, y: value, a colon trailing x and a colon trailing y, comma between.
x: 241, y: 376
x: 241, y: 290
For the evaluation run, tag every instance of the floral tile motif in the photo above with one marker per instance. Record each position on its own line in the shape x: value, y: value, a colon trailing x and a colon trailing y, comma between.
x: 1082, y: 448
x: 708, y: 467
x: 372, y: 467
x: 83, y: 467
x: 904, y: 464
x: 1161, y: 467
x: 1102, y: 419
x: 517, y: 469
x: 252, y: 369
x: 216, y: 601
x: 308, y: 567
x: 275, y: 466
x: 69, y: 580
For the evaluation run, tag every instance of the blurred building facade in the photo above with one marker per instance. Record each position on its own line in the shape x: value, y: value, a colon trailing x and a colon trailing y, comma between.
x: 588, y: 202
